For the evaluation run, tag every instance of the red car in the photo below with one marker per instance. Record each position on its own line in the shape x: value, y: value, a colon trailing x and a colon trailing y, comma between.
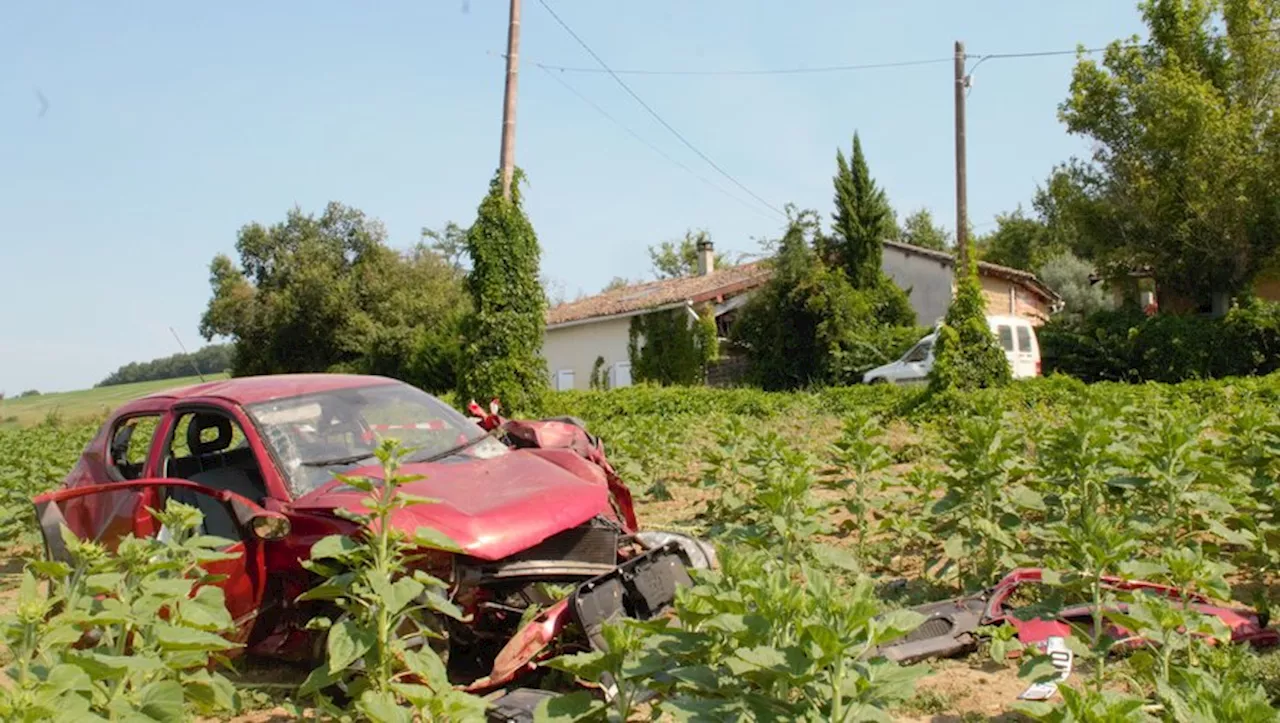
x: 537, y: 504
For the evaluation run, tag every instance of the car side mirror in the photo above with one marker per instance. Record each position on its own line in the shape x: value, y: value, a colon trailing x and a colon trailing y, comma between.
x: 262, y: 524
x: 269, y: 526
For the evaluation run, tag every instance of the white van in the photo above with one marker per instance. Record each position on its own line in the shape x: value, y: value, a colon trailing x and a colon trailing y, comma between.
x: 1016, y: 336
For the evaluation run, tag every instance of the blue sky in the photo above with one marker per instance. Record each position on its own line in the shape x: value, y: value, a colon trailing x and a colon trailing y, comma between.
x: 170, y: 125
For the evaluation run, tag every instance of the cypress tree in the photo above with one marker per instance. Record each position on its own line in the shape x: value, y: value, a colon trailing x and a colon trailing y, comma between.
x: 863, y: 219
x: 966, y: 353
x: 502, y: 337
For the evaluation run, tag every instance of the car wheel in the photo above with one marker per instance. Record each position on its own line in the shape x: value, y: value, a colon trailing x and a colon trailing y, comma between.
x: 878, y: 381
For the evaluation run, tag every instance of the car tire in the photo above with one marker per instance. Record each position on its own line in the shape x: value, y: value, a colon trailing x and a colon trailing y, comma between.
x: 878, y: 381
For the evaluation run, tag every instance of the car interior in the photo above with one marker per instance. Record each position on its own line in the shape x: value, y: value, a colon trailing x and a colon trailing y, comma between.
x: 217, y: 456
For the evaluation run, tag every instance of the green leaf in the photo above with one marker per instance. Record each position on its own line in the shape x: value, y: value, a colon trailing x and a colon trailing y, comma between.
x: 163, y: 701
x: 337, y: 547
x: 836, y: 557
x: 347, y: 643
x: 762, y: 656
x: 173, y: 637
x: 578, y: 706
x: 434, y: 539
x: 382, y: 708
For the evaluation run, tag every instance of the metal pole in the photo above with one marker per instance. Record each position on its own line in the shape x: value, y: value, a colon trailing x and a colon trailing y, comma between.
x: 962, y: 201
x: 507, y: 157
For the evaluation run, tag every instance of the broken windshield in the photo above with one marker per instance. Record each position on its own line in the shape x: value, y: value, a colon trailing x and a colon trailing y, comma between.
x: 316, y: 435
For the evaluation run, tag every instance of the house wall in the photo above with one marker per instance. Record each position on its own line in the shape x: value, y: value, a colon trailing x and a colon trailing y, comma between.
x: 928, y: 280
x: 576, y: 347
x: 1007, y: 298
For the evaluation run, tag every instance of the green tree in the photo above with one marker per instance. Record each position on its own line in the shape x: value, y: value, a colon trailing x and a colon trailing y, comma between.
x: 1018, y: 241
x: 966, y: 354
x: 1071, y: 278
x: 676, y: 259
x: 918, y: 229
x: 502, y: 337
x: 316, y: 294
x: 862, y: 220
x: 808, y: 325
x: 450, y: 241
x: 1183, y: 177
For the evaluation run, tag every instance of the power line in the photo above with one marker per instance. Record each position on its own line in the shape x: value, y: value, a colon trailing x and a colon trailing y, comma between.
x: 647, y: 143
x: 774, y: 71
x: 654, y: 113
x: 980, y: 57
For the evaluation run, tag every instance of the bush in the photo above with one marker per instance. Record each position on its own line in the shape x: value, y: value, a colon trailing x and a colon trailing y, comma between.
x: 1127, y: 346
x: 966, y: 353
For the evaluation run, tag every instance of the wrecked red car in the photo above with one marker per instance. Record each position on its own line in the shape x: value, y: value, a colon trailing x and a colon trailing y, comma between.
x: 950, y: 628
x: 529, y: 503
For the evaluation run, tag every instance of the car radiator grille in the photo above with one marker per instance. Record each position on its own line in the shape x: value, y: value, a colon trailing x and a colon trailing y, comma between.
x: 596, y: 541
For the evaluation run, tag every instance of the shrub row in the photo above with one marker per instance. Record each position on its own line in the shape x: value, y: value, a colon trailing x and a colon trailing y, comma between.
x: 1127, y: 346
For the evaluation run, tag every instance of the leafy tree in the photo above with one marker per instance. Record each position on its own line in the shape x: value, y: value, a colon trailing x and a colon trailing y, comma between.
x: 676, y: 259
x: 616, y: 282
x: 1071, y: 278
x: 966, y: 354
x: 1183, y: 177
x: 327, y: 294
x: 450, y: 241
x: 1018, y: 241
x: 918, y: 229
x: 502, y: 337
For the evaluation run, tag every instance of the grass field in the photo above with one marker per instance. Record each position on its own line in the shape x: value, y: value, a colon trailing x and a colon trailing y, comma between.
x: 86, y: 402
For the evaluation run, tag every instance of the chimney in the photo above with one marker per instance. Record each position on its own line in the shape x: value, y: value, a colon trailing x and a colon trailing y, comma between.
x: 706, y: 257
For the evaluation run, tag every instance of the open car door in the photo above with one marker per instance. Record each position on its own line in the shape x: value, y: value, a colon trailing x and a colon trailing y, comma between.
x: 106, y: 513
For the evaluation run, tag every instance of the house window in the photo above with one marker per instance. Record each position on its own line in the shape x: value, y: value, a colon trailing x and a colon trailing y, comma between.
x: 620, y: 375
x: 564, y: 380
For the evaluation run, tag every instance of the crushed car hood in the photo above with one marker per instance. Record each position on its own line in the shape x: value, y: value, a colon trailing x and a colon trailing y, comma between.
x: 491, y: 508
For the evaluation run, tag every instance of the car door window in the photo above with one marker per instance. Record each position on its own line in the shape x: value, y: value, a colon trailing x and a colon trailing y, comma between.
x: 209, y: 448
x: 1006, y: 337
x: 919, y: 353
x: 1024, y: 339
x: 131, y: 443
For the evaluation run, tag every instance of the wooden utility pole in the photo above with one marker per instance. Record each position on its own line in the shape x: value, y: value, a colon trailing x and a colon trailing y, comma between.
x: 507, y: 157
x: 962, y: 200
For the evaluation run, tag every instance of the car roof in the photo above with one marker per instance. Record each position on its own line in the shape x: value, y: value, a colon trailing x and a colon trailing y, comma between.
x: 251, y: 390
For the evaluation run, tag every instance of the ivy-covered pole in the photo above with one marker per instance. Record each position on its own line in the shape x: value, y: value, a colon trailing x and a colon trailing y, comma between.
x: 502, y: 337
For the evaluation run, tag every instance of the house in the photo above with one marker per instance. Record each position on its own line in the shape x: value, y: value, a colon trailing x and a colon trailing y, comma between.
x: 598, y: 327
x: 928, y: 275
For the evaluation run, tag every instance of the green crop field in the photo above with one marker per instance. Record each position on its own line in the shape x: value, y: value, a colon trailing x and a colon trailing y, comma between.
x: 833, y: 506
x: 86, y: 402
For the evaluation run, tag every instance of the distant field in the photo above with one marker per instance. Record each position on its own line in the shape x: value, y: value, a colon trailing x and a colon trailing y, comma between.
x: 86, y: 402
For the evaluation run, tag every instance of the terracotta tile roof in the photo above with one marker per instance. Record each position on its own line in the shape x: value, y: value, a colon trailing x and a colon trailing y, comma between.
x: 733, y: 280
x: 727, y: 281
